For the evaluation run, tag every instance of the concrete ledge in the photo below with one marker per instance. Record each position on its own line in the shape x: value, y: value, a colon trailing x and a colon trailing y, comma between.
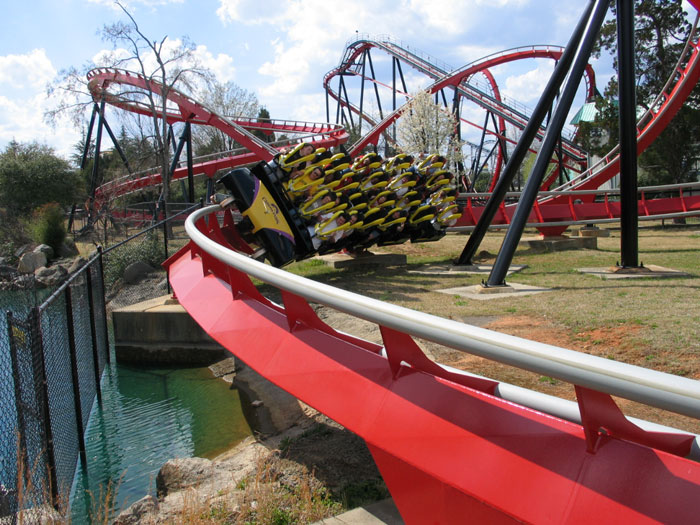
x: 592, y: 231
x: 484, y: 293
x: 160, y: 331
x: 469, y: 269
x: 380, y: 513
x: 646, y: 272
x: 559, y: 243
x: 340, y: 260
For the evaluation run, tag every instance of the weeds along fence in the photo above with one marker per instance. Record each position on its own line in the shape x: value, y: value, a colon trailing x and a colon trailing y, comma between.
x: 52, y: 357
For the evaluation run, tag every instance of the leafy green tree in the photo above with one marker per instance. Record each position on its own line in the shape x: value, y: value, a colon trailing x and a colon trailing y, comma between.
x: 264, y: 116
x: 32, y: 175
x: 661, y: 29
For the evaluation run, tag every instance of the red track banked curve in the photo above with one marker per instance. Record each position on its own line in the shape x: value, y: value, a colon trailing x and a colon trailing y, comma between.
x: 448, y: 449
x: 182, y: 108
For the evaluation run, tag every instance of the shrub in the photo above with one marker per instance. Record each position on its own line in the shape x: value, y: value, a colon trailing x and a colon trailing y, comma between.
x: 47, y: 226
x: 148, y: 249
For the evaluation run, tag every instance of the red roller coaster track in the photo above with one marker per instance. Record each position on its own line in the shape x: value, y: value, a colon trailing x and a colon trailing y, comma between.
x: 451, y: 447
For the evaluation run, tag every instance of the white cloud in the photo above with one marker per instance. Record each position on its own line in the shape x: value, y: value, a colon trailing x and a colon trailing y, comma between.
x: 229, y: 11
x: 29, y: 71
x: 528, y: 86
x: 221, y: 64
x: 23, y: 80
x: 129, y: 4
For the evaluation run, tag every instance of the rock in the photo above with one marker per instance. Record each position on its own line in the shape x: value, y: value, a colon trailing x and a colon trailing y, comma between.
x: 267, y: 408
x: 29, y: 262
x: 177, y: 474
x: 136, y: 271
x: 137, y: 512
x: 22, y: 250
x: 68, y: 248
x: 224, y: 369
x: 46, y: 250
x: 51, y: 276
x: 7, y: 272
x: 76, y: 265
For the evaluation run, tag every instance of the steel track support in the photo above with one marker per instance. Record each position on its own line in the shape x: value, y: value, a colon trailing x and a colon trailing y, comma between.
x: 529, y: 133
x: 376, y: 89
x: 86, y: 149
x: 532, y: 186
x: 629, y: 242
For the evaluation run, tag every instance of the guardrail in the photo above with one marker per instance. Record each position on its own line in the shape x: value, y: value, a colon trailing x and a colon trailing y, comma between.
x: 650, y: 387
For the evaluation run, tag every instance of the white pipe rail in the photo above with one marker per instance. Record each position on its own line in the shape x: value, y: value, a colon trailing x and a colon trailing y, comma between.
x: 650, y: 387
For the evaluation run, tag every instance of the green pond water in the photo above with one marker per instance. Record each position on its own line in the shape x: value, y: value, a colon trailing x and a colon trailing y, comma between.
x: 147, y: 416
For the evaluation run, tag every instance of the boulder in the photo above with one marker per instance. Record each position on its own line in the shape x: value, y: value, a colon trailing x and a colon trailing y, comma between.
x: 138, y: 512
x: 46, y: 250
x: 7, y: 272
x: 267, y: 408
x: 76, y: 265
x: 136, y: 271
x: 180, y: 473
x: 22, y: 250
x: 68, y: 248
x: 50, y: 276
x: 29, y: 262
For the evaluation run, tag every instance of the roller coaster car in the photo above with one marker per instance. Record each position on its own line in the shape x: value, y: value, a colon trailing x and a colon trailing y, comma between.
x: 276, y: 224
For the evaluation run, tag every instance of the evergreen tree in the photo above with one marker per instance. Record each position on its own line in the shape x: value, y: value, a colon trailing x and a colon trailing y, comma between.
x: 661, y: 30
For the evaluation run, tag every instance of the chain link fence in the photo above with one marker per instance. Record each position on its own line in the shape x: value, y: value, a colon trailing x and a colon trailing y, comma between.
x: 52, y: 356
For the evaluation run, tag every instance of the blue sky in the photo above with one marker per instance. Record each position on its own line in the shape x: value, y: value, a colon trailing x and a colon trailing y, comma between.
x: 278, y: 50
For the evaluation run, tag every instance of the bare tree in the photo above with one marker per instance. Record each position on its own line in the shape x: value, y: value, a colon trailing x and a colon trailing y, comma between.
x: 229, y: 100
x: 166, y: 63
x: 427, y: 127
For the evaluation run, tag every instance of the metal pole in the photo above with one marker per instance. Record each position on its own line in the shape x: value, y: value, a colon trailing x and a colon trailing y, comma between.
x: 21, y: 424
x: 190, y: 171
x: 628, y: 135
x: 532, y: 187
x: 376, y: 89
x: 93, y: 333
x: 529, y: 133
x: 75, y: 377
x: 42, y: 395
x: 103, y: 313
x: 86, y: 149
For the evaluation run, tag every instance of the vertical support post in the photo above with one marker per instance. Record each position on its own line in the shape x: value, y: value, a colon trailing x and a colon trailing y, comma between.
x: 190, y: 169
x: 362, y: 92
x: 93, y: 332
x: 165, y: 240
x: 42, y: 396
x: 103, y: 313
x: 21, y: 424
x: 96, y: 162
x: 628, y: 135
x: 75, y: 376
x: 376, y: 89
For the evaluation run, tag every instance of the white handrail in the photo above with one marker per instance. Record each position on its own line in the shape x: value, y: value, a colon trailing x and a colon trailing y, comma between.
x: 658, y: 389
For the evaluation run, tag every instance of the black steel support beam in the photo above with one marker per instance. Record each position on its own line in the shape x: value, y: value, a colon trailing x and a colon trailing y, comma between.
x: 629, y: 227
x: 376, y: 89
x: 86, y: 149
x: 190, y: 167
x: 532, y: 187
x: 528, y: 135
